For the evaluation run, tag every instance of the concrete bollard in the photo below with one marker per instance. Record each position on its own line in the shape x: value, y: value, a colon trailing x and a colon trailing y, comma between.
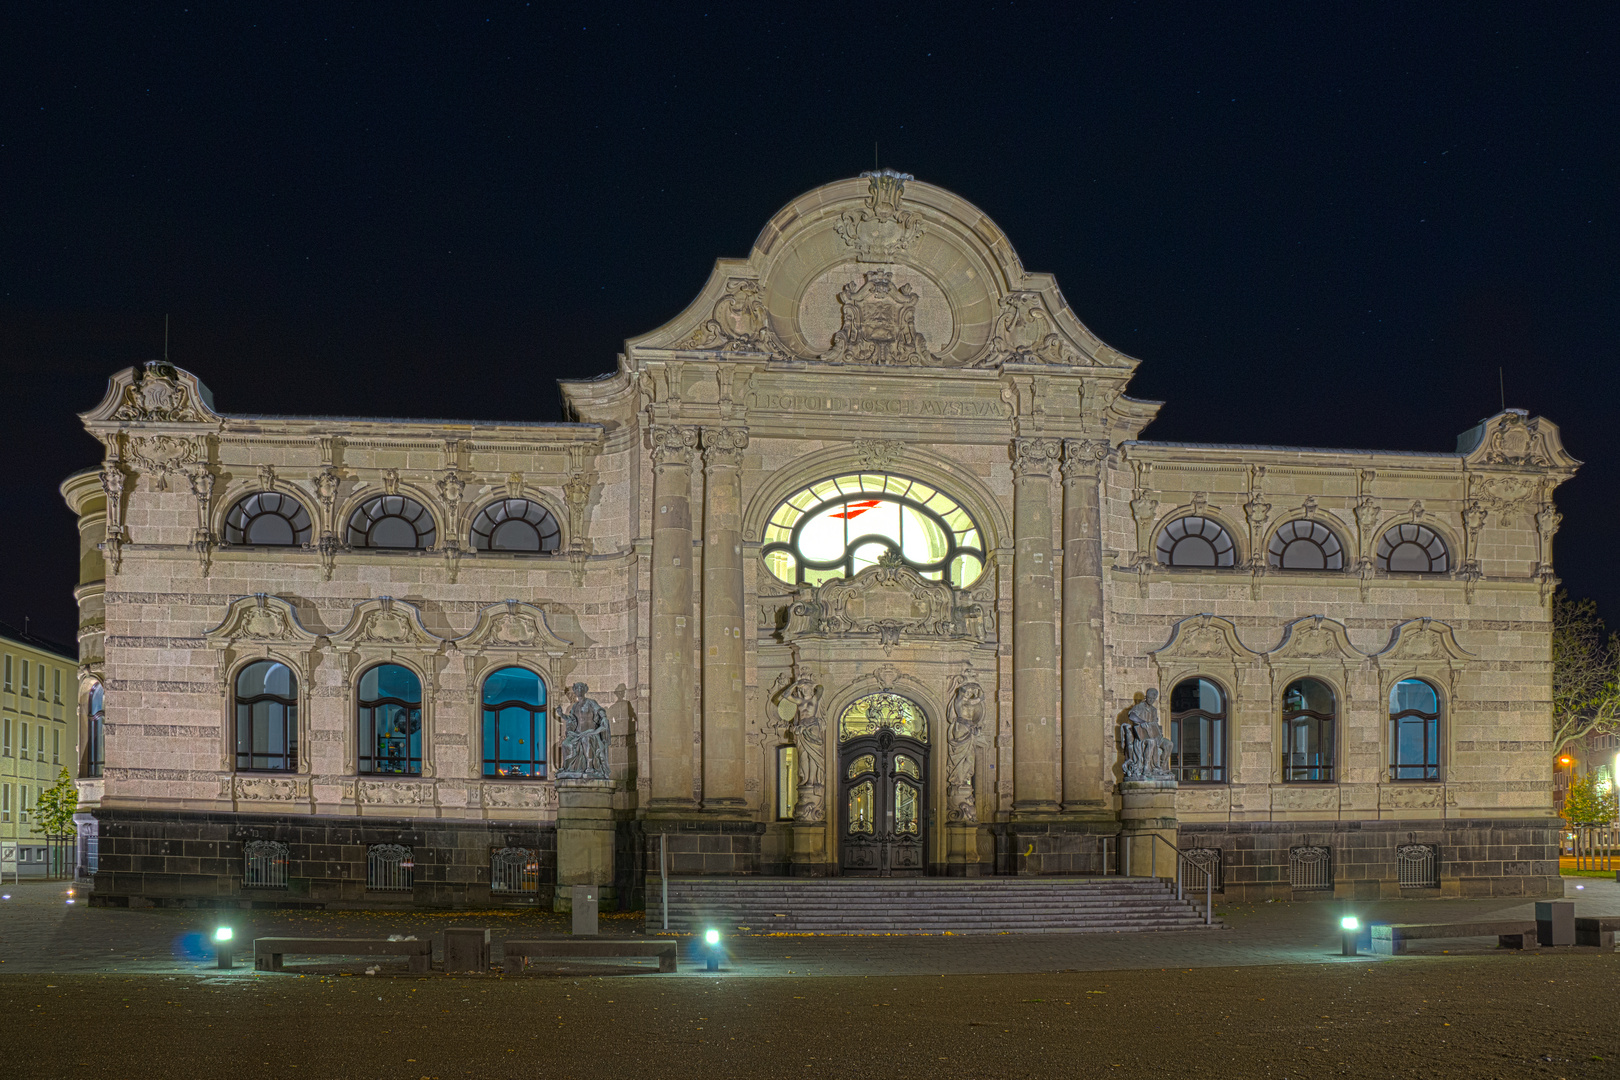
x: 1555, y: 922
x: 466, y: 950
x: 584, y: 904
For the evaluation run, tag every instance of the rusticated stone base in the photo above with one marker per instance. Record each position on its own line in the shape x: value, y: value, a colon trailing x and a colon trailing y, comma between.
x: 179, y: 858
x: 697, y: 845
x: 1477, y: 857
x: 1055, y: 847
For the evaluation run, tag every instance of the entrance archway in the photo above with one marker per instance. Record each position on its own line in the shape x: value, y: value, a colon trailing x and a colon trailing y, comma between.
x: 883, y: 787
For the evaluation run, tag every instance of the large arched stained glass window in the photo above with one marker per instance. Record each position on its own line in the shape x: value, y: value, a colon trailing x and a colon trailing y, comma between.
x: 266, y: 718
x: 839, y: 527
x: 391, y: 721
x: 879, y: 712
x: 514, y: 724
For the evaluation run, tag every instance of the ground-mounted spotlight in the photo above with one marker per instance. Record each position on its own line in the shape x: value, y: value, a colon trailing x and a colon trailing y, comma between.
x: 711, y: 949
x: 224, y: 947
x: 1350, y: 929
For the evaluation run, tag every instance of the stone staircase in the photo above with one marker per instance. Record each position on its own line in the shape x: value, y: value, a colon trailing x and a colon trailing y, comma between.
x: 991, y: 905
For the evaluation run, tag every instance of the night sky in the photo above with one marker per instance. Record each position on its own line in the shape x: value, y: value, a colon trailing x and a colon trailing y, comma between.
x: 1316, y: 224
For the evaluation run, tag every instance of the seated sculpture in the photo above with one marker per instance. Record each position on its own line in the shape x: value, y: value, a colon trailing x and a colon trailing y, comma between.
x: 1142, y: 741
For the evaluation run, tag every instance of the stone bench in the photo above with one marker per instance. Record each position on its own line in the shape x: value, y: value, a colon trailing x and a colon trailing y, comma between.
x: 1389, y: 939
x: 515, y: 951
x: 268, y: 951
x: 1599, y: 932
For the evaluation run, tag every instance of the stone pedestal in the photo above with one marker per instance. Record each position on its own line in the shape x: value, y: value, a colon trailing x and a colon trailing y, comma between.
x: 810, y: 849
x: 1147, y: 807
x: 585, y: 831
x: 962, y: 857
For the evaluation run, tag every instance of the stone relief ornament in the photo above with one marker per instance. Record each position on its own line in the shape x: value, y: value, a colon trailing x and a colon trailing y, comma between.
x: 394, y: 793
x: 270, y: 788
x: 520, y: 796
x: 964, y: 718
x: 883, y: 229
x: 156, y: 393
x: 876, y: 455
x: 161, y: 455
x: 738, y: 323
x: 879, y: 324
x: 889, y: 601
x: 1145, y: 750
x: 1026, y: 334
x: 800, y: 690
x: 673, y: 444
x: 584, y: 754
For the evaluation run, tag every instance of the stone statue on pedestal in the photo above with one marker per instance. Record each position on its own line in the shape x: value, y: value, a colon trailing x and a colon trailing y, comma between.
x: 585, y: 738
x: 964, y: 715
x: 802, y: 692
x: 1142, y: 741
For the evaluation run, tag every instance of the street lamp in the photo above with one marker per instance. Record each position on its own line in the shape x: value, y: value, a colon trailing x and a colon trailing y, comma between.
x: 223, y: 947
x: 1350, y: 930
x: 711, y: 945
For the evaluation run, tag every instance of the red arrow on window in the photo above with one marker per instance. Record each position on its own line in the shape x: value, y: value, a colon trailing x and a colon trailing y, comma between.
x: 856, y: 509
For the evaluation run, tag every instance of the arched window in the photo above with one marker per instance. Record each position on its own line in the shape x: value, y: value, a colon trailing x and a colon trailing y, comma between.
x: 516, y: 525
x: 391, y: 721
x: 1413, y: 549
x: 391, y: 521
x: 95, y: 753
x: 266, y: 718
x: 267, y: 518
x: 837, y: 528
x: 1195, y: 541
x: 1305, y: 545
x: 1414, y: 731
x: 514, y: 723
x: 1198, y: 732
x: 1309, y: 715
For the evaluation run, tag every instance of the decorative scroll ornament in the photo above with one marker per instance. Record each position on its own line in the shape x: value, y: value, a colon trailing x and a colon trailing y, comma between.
x: 158, y: 394
x: 964, y: 717
x: 1035, y: 457
x: 161, y: 455
x: 882, y: 230
x: 1084, y: 457
x: 879, y: 324
x: 1515, y: 439
x: 888, y: 601
x: 877, y: 454
x: 1026, y: 334
x: 738, y: 323
x: 1143, y: 746
x: 673, y: 444
x: 584, y: 753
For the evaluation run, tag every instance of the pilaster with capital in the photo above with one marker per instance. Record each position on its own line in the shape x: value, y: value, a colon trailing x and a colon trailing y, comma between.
x: 724, y: 662
x: 1083, y: 711
x: 1035, y: 667
x: 670, y: 696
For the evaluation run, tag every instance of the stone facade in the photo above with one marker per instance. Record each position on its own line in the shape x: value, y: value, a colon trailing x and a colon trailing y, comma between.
x: 882, y: 331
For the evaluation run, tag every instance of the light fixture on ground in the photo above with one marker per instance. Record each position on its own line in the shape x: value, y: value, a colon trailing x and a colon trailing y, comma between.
x: 711, y: 949
x: 1350, y: 928
x: 224, y: 947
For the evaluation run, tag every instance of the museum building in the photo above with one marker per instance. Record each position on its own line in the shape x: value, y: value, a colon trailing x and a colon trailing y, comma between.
x: 855, y: 567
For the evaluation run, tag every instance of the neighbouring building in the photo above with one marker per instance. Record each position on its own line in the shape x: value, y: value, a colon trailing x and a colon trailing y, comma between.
x: 39, y: 682
x: 863, y: 558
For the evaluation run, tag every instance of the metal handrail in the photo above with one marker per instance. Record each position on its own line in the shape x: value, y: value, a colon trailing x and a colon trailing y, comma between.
x: 1181, y: 858
x: 663, y: 876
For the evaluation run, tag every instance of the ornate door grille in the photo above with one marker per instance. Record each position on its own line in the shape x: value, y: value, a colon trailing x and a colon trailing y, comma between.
x: 514, y: 871
x: 883, y: 806
x: 1202, y: 864
x: 389, y: 868
x: 264, y: 865
x: 1310, y: 868
x: 1417, y: 866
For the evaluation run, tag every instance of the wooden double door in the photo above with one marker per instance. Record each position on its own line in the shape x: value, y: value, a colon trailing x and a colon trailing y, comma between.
x: 883, y: 806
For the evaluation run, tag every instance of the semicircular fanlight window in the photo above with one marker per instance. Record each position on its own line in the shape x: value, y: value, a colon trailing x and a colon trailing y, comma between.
x: 879, y: 712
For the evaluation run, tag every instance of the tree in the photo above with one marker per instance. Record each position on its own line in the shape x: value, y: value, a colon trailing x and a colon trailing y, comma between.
x: 1586, y: 672
x: 57, y: 805
x: 1592, y: 800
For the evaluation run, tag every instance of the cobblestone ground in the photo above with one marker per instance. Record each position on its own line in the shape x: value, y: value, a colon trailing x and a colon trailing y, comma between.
x: 92, y: 993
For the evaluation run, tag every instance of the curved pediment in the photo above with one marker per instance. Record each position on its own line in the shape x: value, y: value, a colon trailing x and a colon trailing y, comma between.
x: 259, y: 617
x: 386, y: 622
x: 154, y: 392
x: 1515, y: 439
x: 1316, y: 637
x: 1423, y: 639
x: 513, y: 624
x: 1204, y: 637
x: 884, y: 270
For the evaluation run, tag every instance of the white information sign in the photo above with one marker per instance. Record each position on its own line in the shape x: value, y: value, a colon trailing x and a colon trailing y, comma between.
x: 8, y: 860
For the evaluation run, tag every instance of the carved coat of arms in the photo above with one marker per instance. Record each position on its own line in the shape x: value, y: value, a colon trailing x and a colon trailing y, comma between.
x: 879, y: 324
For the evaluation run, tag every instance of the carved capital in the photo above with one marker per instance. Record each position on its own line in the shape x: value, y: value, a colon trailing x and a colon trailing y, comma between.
x: 1035, y: 457
x: 1084, y: 458
x: 723, y: 446
x: 672, y: 444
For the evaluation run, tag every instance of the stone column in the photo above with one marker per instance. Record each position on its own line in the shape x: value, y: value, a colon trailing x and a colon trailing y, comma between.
x: 723, y: 658
x: 670, y: 696
x: 1035, y: 663
x: 1084, y: 724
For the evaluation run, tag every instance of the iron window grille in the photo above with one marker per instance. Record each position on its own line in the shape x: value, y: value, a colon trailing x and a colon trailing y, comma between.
x: 1310, y: 868
x: 264, y: 865
x: 267, y: 519
x: 389, y: 868
x: 1198, y: 732
x: 514, y: 871
x: 1417, y: 866
x: 1202, y: 864
x: 516, y: 525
